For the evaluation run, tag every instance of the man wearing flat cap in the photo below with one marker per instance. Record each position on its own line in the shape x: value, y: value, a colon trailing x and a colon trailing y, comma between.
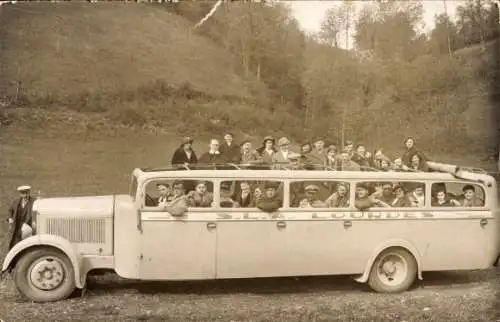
x: 312, y: 199
x: 185, y: 154
x: 20, y: 216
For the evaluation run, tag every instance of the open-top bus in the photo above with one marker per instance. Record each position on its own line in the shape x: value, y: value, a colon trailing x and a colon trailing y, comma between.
x: 387, y: 244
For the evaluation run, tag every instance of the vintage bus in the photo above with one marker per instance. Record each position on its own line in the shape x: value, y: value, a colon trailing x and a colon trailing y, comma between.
x: 411, y: 222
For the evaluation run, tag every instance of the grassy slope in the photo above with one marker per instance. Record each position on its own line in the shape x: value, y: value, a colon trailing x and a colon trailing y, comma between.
x: 67, y: 48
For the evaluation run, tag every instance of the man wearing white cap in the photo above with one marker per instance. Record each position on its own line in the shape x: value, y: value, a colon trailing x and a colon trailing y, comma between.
x: 20, y: 216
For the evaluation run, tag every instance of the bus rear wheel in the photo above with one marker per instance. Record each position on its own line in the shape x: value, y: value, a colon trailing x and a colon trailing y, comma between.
x: 394, y: 271
x: 44, y: 275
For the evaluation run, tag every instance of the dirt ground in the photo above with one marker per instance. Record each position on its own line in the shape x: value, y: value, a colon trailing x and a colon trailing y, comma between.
x: 68, y: 165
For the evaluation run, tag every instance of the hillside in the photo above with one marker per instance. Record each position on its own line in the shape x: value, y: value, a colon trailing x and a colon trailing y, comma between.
x: 61, y: 49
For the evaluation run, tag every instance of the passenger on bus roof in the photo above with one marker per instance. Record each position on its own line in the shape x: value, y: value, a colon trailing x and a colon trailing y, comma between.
x: 267, y: 150
x: 410, y: 150
x: 360, y: 156
x: 417, y: 163
x: 229, y: 149
x: 346, y: 164
x: 185, y: 154
x: 312, y: 200
x: 248, y: 155
x: 213, y: 156
x: 318, y: 154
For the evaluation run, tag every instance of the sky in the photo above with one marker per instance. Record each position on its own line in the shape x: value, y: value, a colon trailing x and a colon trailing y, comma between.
x: 310, y: 13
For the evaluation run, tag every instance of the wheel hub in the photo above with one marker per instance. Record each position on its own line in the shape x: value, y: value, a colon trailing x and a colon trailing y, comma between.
x: 47, y: 274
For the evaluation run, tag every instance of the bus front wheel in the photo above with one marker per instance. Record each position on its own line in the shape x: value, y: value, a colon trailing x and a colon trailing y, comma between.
x: 394, y: 271
x: 44, y: 275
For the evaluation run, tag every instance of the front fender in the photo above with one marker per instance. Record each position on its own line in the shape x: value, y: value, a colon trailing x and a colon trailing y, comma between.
x: 391, y: 243
x: 46, y: 240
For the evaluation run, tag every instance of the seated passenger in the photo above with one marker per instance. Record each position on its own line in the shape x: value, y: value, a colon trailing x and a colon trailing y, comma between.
x: 331, y: 158
x: 387, y: 194
x: 360, y: 156
x: 311, y: 200
x: 442, y: 200
x: 340, y: 198
x: 226, y: 193
x: 270, y: 201
x: 257, y: 195
x: 244, y: 197
x: 200, y: 197
x: 417, y: 197
x: 267, y: 150
x: 469, y: 198
x: 364, y: 200
x: 418, y: 163
x: 410, y: 150
x: 346, y: 164
x: 177, y: 206
x: 401, y: 198
x: 164, y: 194
x: 249, y: 156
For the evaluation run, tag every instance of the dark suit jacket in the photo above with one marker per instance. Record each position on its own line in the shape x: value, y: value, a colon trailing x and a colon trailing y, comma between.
x: 20, y: 216
x: 180, y: 157
x: 231, y: 153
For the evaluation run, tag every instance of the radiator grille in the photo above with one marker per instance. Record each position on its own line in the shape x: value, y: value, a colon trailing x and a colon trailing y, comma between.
x: 78, y: 230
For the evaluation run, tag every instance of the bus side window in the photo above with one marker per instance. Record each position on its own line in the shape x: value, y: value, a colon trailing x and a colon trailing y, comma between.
x: 319, y: 194
x: 247, y: 193
x: 457, y: 194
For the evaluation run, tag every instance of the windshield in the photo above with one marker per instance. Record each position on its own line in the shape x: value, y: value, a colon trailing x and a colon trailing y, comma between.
x: 133, y: 187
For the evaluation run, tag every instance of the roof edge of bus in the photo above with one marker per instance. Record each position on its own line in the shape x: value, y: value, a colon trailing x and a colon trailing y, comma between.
x: 461, y: 172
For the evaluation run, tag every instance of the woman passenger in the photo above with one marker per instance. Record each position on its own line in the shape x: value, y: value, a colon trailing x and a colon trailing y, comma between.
x: 417, y: 163
x: 410, y: 150
x: 257, y: 196
x: 401, y: 198
x: 267, y: 150
x: 185, y: 154
x: 200, y: 197
x: 244, y: 197
x: 442, y: 200
x: 340, y: 198
x: 331, y: 157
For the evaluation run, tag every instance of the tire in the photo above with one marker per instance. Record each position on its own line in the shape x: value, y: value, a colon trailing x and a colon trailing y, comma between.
x: 399, y: 274
x: 44, y: 275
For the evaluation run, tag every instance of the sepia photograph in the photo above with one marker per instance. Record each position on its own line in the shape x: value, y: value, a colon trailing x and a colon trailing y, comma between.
x: 250, y: 161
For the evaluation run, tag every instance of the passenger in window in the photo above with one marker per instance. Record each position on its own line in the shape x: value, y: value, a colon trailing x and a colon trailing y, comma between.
x: 244, y: 197
x: 257, y: 196
x: 229, y: 149
x: 346, y: 164
x: 226, y: 194
x: 418, y: 164
x: 200, y: 197
x: 164, y: 194
x: 267, y: 150
x: 364, y: 200
x: 340, y: 198
x: 311, y: 200
x: 470, y: 197
x: 387, y: 195
x: 410, y: 150
x: 417, y: 197
x: 248, y: 155
x: 177, y: 206
x: 270, y: 201
x: 442, y: 200
x: 401, y: 198
x: 213, y: 156
x: 185, y: 154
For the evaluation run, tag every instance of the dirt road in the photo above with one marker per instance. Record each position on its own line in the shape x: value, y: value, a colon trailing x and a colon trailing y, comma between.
x: 455, y: 296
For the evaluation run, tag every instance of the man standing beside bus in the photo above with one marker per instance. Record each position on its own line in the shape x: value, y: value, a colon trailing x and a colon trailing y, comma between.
x: 20, y: 216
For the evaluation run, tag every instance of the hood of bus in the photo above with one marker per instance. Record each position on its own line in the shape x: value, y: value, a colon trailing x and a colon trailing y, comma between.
x: 75, y: 206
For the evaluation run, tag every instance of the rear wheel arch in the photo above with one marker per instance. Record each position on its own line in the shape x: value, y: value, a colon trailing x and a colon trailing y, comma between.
x: 402, y: 244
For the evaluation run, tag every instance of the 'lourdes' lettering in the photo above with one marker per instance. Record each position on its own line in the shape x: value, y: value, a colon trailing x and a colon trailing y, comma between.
x: 337, y: 215
x: 356, y: 215
x: 224, y: 216
x: 373, y: 215
x: 410, y: 215
x: 392, y: 215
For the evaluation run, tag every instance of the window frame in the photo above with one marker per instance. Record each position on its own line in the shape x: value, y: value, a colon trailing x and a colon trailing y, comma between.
x: 463, y: 183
